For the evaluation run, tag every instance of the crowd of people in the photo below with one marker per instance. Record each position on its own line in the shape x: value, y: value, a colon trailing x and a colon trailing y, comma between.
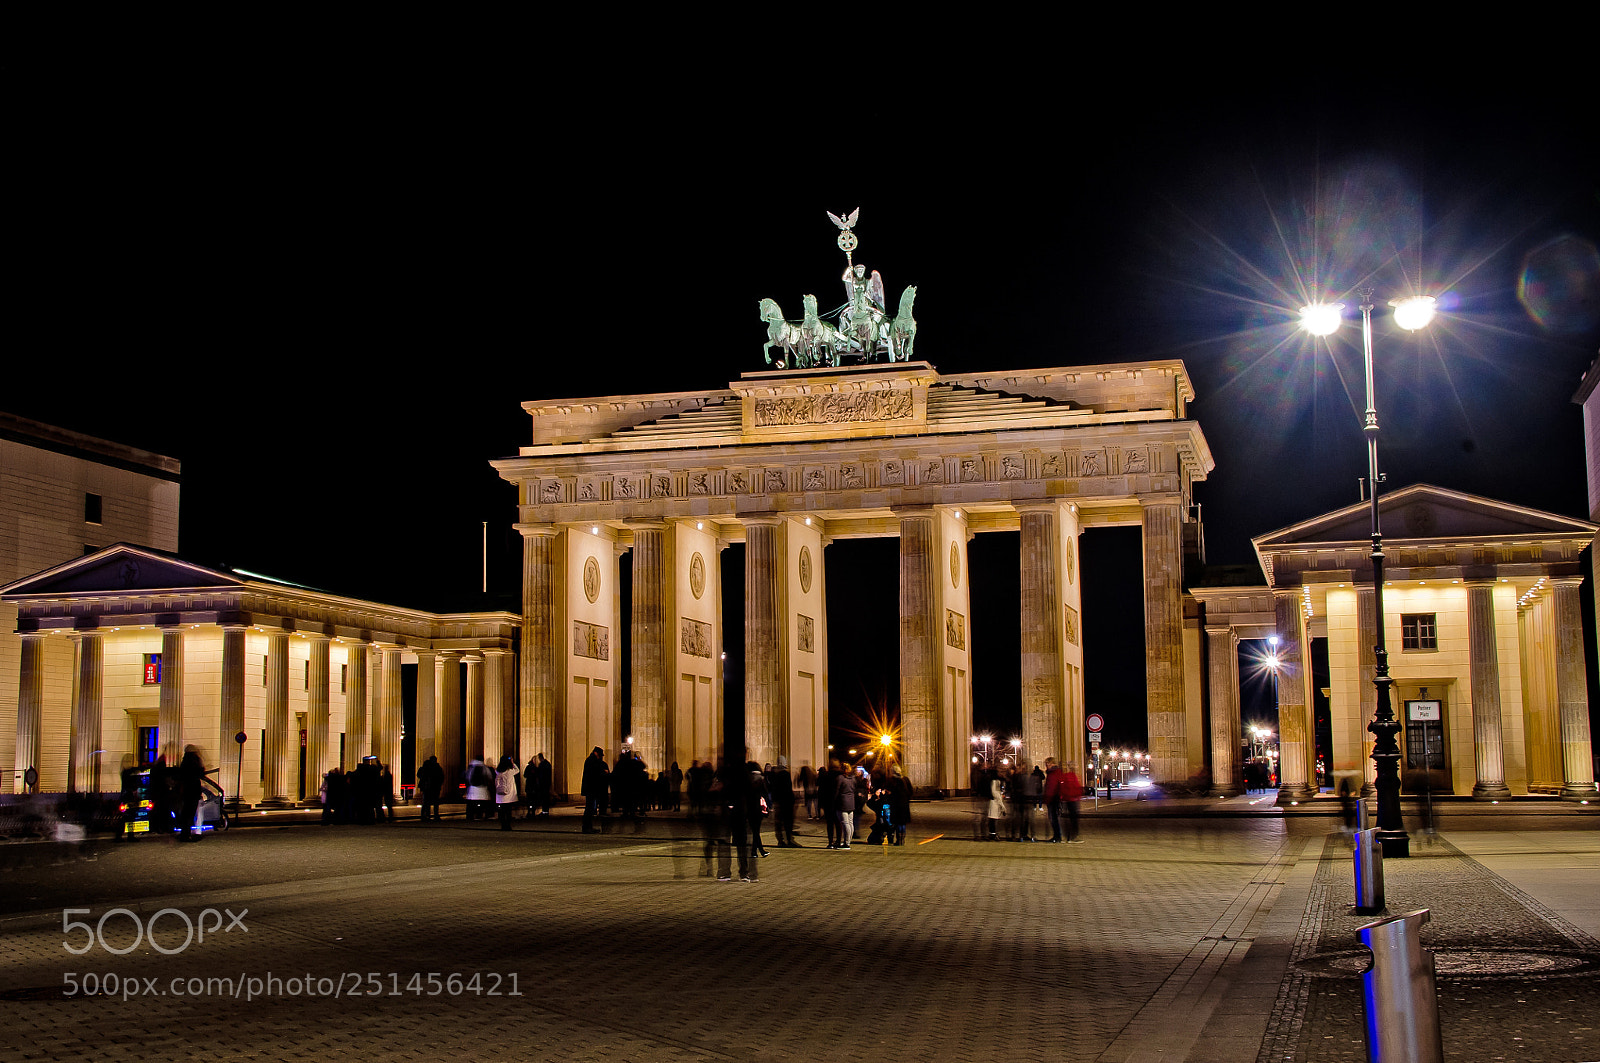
x: 1012, y: 794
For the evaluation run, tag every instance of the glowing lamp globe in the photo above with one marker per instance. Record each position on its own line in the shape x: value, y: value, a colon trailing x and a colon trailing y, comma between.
x: 1413, y: 313
x: 1321, y: 319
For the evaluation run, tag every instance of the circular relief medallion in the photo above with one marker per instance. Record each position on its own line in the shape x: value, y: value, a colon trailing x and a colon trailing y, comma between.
x: 1070, y: 559
x: 805, y: 570
x: 697, y: 576
x: 591, y: 579
x: 955, y: 565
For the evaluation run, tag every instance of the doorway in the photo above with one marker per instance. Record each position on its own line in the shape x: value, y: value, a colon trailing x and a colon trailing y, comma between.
x: 1426, y: 761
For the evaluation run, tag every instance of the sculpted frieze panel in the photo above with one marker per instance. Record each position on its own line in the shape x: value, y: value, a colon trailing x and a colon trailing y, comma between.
x: 662, y: 486
x: 1012, y: 467
x: 955, y: 629
x: 1135, y: 460
x: 934, y: 473
x: 699, y: 483
x: 695, y: 638
x: 816, y: 480
x: 971, y: 470
x: 625, y: 488
x: 550, y: 492
x: 894, y: 472
x: 806, y: 634
x: 1072, y: 625
x: 1054, y: 466
x: 835, y: 408
x: 591, y: 641
x: 773, y: 481
x: 738, y: 482
x: 850, y: 476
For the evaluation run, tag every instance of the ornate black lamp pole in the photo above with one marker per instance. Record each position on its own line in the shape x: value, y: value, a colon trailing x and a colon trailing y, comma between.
x: 1321, y: 320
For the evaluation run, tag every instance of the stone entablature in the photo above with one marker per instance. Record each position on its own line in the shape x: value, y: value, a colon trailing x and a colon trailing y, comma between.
x: 869, y: 401
x: 249, y: 603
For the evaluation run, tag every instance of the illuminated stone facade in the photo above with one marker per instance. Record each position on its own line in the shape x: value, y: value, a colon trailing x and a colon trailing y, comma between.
x: 789, y: 461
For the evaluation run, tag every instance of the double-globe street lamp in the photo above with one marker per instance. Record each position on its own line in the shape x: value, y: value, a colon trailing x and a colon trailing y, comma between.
x: 1323, y: 319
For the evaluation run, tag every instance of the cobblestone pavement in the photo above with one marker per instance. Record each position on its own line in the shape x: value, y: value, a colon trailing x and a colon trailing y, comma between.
x: 1157, y: 939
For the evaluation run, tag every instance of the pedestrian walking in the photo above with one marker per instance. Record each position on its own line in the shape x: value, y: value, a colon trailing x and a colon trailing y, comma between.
x: 1072, y: 795
x: 899, y: 788
x: 507, y: 789
x: 780, y: 784
x: 430, y: 781
x: 596, y: 779
x: 844, y: 804
x: 543, y: 789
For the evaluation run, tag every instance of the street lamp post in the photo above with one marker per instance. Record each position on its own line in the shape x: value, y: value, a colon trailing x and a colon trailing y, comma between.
x: 1321, y: 320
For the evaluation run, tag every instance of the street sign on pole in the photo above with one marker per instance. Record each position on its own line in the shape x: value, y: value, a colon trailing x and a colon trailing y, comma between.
x: 1095, y: 722
x: 1094, y: 738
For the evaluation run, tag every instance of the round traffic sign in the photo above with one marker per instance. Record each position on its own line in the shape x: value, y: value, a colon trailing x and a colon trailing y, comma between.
x: 1095, y: 722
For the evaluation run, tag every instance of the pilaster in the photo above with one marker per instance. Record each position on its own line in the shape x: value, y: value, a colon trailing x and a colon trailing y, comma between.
x: 649, y: 646
x: 87, y: 711
x: 427, y: 744
x: 30, y: 707
x: 764, y: 687
x: 358, y: 739
x: 317, y: 696
x: 387, y: 712
x: 275, y: 771
x: 169, y: 715
x: 1041, y: 631
x: 451, y: 747
x: 475, y: 721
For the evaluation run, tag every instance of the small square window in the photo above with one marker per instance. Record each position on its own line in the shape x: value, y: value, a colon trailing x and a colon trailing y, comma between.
x: 91, y: 509
x: 1419, y: 631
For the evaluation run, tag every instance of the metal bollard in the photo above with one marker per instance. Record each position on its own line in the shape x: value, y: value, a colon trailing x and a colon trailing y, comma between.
x: 1398, y: 993
x: 1369, y: 872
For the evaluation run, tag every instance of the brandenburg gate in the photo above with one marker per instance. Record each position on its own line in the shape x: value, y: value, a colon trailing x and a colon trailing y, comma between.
x: 788, y: 460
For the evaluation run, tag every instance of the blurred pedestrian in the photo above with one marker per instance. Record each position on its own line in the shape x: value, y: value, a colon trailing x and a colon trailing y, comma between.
x: 543, y: 791
x: 596, y: 780
x: 507, y: 789
x: 191, y: 771
x: 899, y: 788
x: 780, y: 784
x: 430, y: 781
x: 479, y: 778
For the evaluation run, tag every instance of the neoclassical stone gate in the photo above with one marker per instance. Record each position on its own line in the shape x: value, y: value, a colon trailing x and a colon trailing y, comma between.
x: 789, y: 461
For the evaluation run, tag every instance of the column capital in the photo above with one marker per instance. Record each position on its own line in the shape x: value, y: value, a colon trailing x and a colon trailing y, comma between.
x: 1039, y: 506
x: 536, y: 531
x: 1564, y: 581
x: 647, y: 524
x: 761, y: 519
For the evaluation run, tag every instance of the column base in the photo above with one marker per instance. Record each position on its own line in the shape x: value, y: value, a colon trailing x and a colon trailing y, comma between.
x: 1491, y: 792
x: 1576, y: 792
x: 1227, y: 791
x: 1294, y: 795
x: 277, y: 802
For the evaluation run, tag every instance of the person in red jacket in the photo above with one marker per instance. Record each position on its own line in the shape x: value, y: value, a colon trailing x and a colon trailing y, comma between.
x: 1072, y: 793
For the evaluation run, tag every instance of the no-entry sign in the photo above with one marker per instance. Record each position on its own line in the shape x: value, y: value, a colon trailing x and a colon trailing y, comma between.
x: 1095, y: 722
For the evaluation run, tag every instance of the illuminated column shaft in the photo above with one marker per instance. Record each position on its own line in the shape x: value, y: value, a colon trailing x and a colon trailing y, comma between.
x: 541, y: 703
x: 1163, y: 643
x: 1041, y: 633
x: 763, y: 638
x: 1222, y: 651
x: 919, y: 662
x: 357, y: 738
x: 1572, y: 693
x: 388, y: 713
x: 649, y: 649
x: 86, y: 713
x: 317, y: 695
x: 1367, y: 625
x: 169, y: 713
x: 30, y: 706
x: 499, y: 707
x: 1294, y: 719
x: 1484, y: 665
x: 451, y: 749
x: 231, y: 708
x: 427, y: 743
x: 275, y: 771
x: 474, y: 708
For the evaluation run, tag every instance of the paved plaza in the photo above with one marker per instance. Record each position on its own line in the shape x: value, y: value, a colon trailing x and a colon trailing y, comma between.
x: 1168, y: 935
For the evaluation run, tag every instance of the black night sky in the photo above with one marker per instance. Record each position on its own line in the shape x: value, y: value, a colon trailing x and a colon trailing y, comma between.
x: 327, y: 295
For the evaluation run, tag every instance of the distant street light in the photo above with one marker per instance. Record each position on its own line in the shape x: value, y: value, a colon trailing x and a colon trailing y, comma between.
x: 1320, y: 320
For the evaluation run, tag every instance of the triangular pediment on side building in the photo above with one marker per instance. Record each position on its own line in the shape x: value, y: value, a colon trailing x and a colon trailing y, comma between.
x: 121, y: 569
x: 1424, y: 526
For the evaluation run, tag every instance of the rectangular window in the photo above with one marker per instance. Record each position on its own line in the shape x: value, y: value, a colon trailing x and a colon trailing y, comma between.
x: 152, y: 669
x: 1418, y: 631
x: 308, y: 675
x: 263, y: 669
x: 344, y: 671
x: 149, y: 745
x: 91, y: 508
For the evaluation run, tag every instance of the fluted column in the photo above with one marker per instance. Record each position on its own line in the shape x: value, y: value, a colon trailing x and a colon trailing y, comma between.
x: 919, y: 653
x: 427, y: 709
x: 388, y: 712
x: 169, y: 714
x: 450, y: 749
x: 87, y: 713
x: 275, y: 774
x: 1222, y: 652
x: 317, y: 694
x: 357, y: 738
x: 541, y: 644
x: 1488, y: 742
x: 30, y: 706
x: 649, y: 643
x: 1041, y: 632
x: 1367, y: 625
x: 1572, y: 694
x: 763, y: 642
x: 1163, y: 643
x: 499, y: 717
x: 474, y: 708
x: 1295, y: 735
x: 230, y: 710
